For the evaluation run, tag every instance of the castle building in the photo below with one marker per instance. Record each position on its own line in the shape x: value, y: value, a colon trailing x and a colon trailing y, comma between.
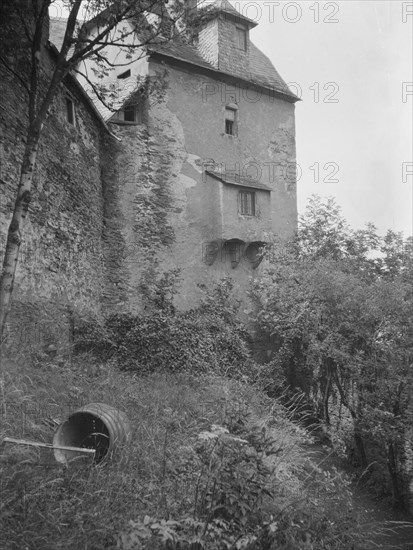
x: 190, y: 170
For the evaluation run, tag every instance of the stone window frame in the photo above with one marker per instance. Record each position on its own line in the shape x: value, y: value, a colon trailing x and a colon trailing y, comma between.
x: 231, y: 120
x: 247, y: 207
x: 70, y: 109
x: 132, y: 113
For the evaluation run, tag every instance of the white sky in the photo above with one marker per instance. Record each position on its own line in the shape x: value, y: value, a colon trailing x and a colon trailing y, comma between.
x: 363, y: 60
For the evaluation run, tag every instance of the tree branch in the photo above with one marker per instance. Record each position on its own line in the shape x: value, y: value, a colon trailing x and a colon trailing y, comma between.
x: 24, y: 24
x: 343, y: 397
x: 86, y: 51
x: 113, y: 65
x: 99, y: 95
x: 59, y: 71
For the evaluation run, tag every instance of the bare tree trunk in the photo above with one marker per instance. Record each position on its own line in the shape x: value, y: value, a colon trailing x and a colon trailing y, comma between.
x: 393, y: 467
x: 14, y: 236
x: 358, y: 438
x: 325, y: 388
x: 355, y: 415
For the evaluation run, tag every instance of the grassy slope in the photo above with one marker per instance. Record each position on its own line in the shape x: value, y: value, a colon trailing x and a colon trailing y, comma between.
x: 47, y: 506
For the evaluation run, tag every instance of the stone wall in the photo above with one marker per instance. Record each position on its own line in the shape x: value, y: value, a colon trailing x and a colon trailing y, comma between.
x: 169, y: 211
x: 60, y: 265
x: 140, y: 180
x: 110, y: 216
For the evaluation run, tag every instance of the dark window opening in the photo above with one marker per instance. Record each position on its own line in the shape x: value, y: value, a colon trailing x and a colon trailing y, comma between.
x: 70, y: 111
x: 129, y: 113
x: 229, y: 127
x: 230, y: 115
x: 247, y: 203
x: 126, y: 74
x: 241, y: 38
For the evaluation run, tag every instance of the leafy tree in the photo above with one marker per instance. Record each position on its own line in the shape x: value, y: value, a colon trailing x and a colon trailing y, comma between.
x: 323, y: 230
x: 339, y: 303
x: 24, y: 53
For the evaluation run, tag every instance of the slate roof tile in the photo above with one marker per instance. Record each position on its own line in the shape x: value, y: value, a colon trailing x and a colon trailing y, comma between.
x: 181, y: 51
x: 261, y: 71
x: 225, y: 7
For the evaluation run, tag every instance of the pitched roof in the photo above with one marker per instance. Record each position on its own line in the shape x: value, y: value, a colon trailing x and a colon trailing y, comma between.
x: 124, y: 90
x: 260, y: 72
x: 177, y: 49
x: 238, y: 180
x: 263, y: 72
x: 223, y: 6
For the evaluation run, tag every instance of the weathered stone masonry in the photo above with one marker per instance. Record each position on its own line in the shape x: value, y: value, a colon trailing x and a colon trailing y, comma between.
x: 60, y: 265
x: 174, y: 211
x: 117, y: 203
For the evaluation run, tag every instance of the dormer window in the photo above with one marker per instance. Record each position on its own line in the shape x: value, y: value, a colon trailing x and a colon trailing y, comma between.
x: 231, y: 120
x: 241, y: 33
x: 130, y: 114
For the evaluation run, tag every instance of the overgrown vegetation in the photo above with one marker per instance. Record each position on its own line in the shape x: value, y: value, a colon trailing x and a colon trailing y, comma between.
x: 338, y: 302
x: 213, y: 463
x: 208, y: 338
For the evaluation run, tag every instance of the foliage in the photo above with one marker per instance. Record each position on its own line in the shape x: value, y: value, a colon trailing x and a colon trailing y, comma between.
x: 230, y: 488
x: 159, y: 290
x: 340, y: 301
x: 45, y: 505
x: 205, y: 339
x: 211, y: 460
x: 242, y: 502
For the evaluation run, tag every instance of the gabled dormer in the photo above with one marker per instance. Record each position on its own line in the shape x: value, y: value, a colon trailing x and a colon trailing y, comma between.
x: 224, y: 41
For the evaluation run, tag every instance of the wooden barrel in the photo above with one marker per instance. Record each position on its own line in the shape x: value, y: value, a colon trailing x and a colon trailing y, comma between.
x: 95, y: 426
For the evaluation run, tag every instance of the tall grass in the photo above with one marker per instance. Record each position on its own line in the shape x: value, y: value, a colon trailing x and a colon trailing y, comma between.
x: 162, y: 475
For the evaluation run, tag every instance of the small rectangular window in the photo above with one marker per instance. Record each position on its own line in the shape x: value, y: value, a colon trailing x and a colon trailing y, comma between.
x: 241, y: 38
x: 247, y: 203
x: 230, y: 115
x: 229, y: 127
x: 70, y: 111
x: 126, y: 74
x: 129, y: 113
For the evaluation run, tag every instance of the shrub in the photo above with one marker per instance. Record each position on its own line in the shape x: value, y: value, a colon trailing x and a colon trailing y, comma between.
x: 213, y: 464
x: 185, y: 342
x: 253, y: 493
x: 207, y: 338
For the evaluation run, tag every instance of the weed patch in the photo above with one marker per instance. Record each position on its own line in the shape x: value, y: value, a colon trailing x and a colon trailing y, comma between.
x: 212, y: 463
